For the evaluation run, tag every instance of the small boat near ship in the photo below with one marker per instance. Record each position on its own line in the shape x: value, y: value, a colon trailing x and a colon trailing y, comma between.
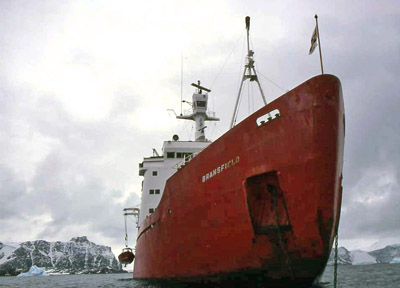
x: 126, y: 257
x: 258, y: 206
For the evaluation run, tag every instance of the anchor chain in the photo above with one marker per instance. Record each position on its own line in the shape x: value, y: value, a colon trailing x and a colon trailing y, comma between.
x: 273, y: 190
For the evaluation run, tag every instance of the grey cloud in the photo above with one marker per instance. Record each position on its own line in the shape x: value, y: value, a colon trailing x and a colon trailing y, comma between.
x: 90, y: 163
x: 12, y: 190
x: 78, y: 181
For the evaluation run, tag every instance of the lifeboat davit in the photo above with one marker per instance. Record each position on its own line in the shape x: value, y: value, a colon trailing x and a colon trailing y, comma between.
x: 126, y: 257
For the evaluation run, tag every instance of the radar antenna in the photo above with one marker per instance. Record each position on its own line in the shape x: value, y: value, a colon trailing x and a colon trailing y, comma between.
x: 199, y: 111
x: 201, y: 88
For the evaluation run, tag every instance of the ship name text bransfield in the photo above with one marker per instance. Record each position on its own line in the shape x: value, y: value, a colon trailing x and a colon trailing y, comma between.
x: 220, y: 168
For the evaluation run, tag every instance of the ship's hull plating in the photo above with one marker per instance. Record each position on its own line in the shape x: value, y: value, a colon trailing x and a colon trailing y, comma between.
x: 259, y: 205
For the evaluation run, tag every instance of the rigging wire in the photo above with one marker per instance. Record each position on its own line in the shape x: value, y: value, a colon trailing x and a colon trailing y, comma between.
x: 223, y: 66
x: 248, y: 99
x: 229, y: 56
x: 239, y: 81
x: 256, y: 66
x: 181, y: 81
x: 182, y: 128
x: 191, y: 131
x: 215, y: 130
x: 284, y: 90
x: 237, y: 112
x: 252, y: 97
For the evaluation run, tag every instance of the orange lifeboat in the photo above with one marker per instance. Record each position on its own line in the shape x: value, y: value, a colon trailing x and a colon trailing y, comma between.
x: 126, y: 257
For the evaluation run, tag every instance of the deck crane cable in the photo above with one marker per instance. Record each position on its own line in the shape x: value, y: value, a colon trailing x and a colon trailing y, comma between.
x: 126, y: 231
x: 134, y: 211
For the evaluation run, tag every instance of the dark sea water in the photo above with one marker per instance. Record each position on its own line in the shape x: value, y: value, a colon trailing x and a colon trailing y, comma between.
x: 371, y: 276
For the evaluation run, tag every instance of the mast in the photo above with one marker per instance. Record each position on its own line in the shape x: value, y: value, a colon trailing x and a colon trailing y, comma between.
x: 248, y: 73
x: 199, y: 111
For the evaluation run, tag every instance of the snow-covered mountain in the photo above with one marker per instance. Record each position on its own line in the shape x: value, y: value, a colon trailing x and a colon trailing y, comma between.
x: 389, y: 254
x: 344, y: 257
x: 78, y: 255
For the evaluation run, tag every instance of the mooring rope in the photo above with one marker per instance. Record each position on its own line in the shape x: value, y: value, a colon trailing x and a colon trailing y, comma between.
x: 336, y: 259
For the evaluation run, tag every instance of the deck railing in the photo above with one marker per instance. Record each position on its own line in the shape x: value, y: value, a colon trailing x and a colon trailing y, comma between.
x: 188, y: 157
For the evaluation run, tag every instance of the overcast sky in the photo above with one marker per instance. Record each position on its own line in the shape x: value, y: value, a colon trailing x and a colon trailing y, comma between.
x: 85, y: 87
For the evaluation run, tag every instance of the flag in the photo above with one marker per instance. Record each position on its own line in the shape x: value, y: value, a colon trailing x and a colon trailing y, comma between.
x: 313, y: 41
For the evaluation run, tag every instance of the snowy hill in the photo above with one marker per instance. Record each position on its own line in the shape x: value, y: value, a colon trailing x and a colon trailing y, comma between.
x: 344, y: 257
x: 389, y: 254
x: 78, y: 255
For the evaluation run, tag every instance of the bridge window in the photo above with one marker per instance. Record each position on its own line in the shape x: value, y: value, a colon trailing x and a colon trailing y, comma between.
x: 180, y: 154
x: 157, y: 191
x: 201, y: 104
x: 154, y: 173
x: 170, y: 154
x: 151, y: 210
x: 151, y: 191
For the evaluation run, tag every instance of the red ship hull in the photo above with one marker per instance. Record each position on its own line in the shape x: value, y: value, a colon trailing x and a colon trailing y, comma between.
x: 258, y: 205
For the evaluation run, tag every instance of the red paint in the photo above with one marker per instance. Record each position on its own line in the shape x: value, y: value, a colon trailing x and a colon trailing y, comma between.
x: 126, y: 257
x: 210, y: 228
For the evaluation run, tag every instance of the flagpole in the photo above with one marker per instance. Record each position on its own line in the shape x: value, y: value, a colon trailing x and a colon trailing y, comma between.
x: 319, y: 44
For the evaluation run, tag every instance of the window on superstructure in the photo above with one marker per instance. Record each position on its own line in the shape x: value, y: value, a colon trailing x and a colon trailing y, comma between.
x: 157, y: 191
x: 170, y: 154
x: 180, y: 154
x: 201, y: 104
x: 151, y: 191
x: 151, y: 210
x: 154, y: 173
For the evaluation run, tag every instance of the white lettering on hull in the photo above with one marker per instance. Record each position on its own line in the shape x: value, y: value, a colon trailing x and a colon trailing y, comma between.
x: 220, y: 168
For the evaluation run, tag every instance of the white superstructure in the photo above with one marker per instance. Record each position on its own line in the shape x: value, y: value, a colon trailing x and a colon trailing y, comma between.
x: 158, y: 168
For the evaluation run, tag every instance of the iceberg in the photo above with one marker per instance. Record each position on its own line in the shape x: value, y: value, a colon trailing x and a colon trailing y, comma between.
x: 395, y: 260
x: 362, y: 258
x: 34, y: 271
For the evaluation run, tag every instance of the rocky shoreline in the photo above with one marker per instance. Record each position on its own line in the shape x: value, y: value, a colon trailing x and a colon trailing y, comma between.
x: 77, y: 256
